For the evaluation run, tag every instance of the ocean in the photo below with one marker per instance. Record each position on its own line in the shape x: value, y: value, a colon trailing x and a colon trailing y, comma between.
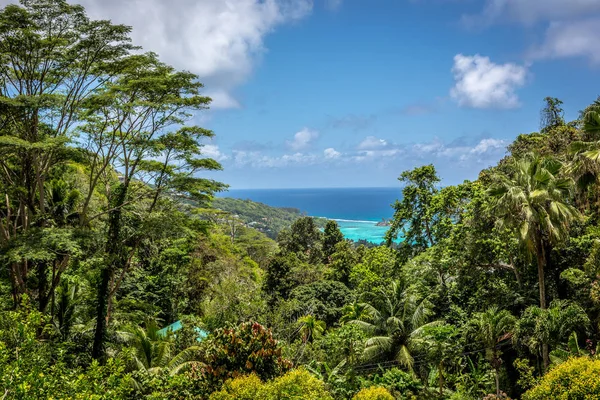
x: 356, y: 210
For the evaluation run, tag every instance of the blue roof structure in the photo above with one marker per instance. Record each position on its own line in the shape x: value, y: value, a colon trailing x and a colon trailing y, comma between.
x: 177, y: 325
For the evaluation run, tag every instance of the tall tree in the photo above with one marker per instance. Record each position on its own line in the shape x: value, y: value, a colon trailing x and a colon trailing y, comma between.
x: 331, y: 237
x: 394, y: 317
x: 303, y: 238
x: 490, y: 328
x: 534, y: 201
x: 133, y: 122
x: 52, y: 59
x: 412, y: 219
x: 540, y: 329
x: 552, y: 115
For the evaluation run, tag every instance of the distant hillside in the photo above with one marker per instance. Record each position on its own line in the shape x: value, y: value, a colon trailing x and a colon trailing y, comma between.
x: 267, y: 219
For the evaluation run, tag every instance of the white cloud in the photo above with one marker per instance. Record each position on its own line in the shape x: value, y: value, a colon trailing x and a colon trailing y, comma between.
x: 486, y: 150
x: 569, y: 39
x: 573, y: 26
x: 212, y: 151
x: 216, y: 39
x: 531, y: 11
x: 371, y: 142
x: 221, y: 99
x: 331, y: 153
x: 480, y: 83
x: 302, y: 139
x: 486, y: 145
x: 483, y: 153
x: 256, y: 159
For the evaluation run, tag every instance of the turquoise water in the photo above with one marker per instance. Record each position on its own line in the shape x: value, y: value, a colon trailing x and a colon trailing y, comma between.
x: 356, y: 210
x: 367, y: 230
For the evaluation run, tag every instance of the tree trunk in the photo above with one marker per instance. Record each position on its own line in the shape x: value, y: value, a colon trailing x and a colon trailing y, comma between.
x: 42, y: 286
x: 497, y: 376
x: 541, y: 264
x: 545, y: 356
x: 114, y: 254
x: 441, y: 378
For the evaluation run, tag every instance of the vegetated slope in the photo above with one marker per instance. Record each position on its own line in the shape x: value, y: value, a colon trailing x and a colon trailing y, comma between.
x: 267, y: 219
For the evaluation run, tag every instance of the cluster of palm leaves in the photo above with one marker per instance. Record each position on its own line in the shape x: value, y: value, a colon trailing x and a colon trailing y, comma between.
x: 394, y: 317
x: 154, y: 352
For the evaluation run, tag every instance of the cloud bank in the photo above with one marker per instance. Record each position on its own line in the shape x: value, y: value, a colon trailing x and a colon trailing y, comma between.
x: 480, y: 83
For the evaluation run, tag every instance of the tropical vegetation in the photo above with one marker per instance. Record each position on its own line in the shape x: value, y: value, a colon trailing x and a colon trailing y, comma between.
x: 123, y: 277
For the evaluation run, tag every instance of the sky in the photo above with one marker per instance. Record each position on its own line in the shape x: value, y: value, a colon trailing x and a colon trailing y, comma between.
x: 350, y: 93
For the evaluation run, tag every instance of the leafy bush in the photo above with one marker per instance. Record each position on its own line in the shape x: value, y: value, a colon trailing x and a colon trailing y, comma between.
x: 400, y: 383
x: 577, y: 378
x: 246, y: 349
x: 323, y: 299
x: 243, y: 388
x: 373, y: 393
x: 297, y: 384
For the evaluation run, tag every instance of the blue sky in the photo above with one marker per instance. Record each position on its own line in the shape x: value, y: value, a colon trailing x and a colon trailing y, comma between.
x: 349, y: 93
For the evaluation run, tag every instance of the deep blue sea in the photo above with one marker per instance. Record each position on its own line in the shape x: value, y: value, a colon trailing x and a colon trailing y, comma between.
x: 355, y: 209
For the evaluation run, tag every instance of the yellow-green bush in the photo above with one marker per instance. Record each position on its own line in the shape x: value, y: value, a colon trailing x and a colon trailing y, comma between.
x: 575, y: 379
x: 373, y: 393
x: 244, y: 388
x: 297, y: 385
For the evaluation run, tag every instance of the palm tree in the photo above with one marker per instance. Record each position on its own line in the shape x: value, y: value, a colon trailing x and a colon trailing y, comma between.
x: 153, y: 352
x: 310, y: 328
x: 353, y: 311
x: 539, y: 329
x: 533, y: 201
x: 395, y: 318
x: 439, y: 343
x: 490, y: 328
x: 585, y: 163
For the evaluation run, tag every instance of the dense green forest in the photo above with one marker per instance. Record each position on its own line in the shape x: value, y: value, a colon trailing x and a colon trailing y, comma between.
x: 269, y: 220
x: 493, y: 293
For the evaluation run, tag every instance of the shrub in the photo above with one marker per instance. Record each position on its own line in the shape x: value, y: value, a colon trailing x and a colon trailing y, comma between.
x: 297, y: 385
x: 373, y: 393
x: 398, y: 382
x: 243, y: 388
x: 246, y: 349
x: 577, y: 378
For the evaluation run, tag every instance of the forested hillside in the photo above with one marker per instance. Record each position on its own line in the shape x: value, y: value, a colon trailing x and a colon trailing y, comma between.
x: 269, y: 220
x: 494, y: 292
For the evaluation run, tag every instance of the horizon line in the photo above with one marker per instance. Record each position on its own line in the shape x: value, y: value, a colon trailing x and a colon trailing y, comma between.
x: 306, y: 188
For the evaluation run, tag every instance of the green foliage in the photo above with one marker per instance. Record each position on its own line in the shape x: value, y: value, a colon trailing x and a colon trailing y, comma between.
x: 377, y: 268
x: 304, y: 239
x: 394, y: 319
x: 373, y: 393
x: 267, y: 219
x: 241, y: 350
x: 279, y: 279
x: 577, y: 378
x: 533, y: 202
x: 342, y: 261
x: 331, y: 237
x: 399, y: 383
x: 323, y: 299
x: 107, y: 233
x: 296, y: 384
x: 412, y: 220
x: 526, y: 373
x: 538, y: 327
x: 552, y: 115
